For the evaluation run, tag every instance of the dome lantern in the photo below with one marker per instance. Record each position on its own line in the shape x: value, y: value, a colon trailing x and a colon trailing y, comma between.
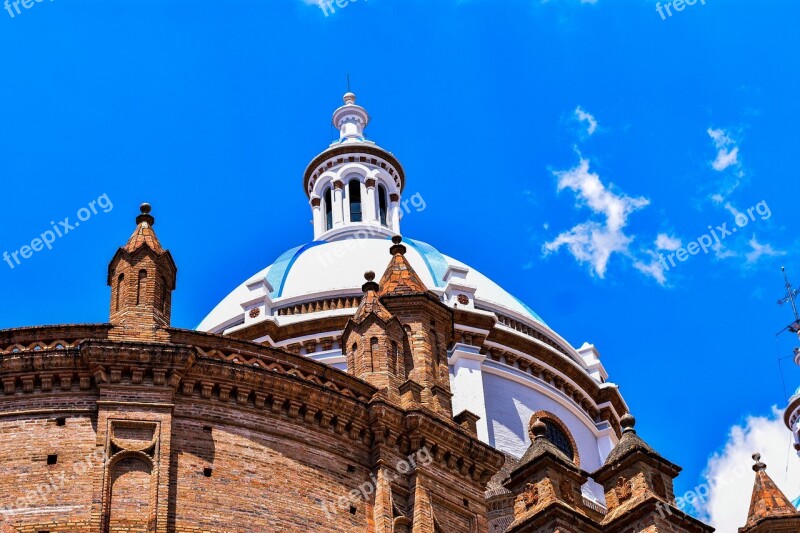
x: 354, y: 186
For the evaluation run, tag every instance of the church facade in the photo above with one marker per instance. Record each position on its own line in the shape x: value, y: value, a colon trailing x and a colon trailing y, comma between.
x: 363, y: 382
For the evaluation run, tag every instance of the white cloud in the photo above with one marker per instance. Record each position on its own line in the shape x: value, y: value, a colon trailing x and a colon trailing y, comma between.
x: 665, y: 242
x: 760, y: 250
x: 583, y: 116
x: 656, y: 266
x: 722, y: 252
x: 594, y: 241
x: 654, y: 269
x: 727, y: 151
x: 729, y: 471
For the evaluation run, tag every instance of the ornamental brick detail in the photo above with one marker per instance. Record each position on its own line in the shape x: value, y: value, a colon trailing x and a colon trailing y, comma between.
x: 527, y: 499
x: 623, y: 489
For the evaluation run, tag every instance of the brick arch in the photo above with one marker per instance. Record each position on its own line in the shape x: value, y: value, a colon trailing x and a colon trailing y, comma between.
x: 550, y: 417
x: 129, y: 493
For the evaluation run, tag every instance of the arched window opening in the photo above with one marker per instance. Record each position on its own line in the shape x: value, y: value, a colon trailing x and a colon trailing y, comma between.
x: 354, y: 197
x: 374, y: 349
x: 163, y: 294
x: 558, y: 438
x: 141, y: 286
x: 437, y: 356
x: 328, y: 209
x: 382, y: 205
x: 393, y: 363
x: 120, y: 279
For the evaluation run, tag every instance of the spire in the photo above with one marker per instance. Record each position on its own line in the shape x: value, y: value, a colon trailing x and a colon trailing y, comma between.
x: 370, y: 304
x: 768, y: 502
x: 541, y: 446
x: 631, y: 443
x: 144, y: 235
x: 400, y: 278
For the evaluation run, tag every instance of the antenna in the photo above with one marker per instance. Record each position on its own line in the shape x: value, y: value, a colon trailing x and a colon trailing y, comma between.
x: 348, y: 82
x: 791, y: 296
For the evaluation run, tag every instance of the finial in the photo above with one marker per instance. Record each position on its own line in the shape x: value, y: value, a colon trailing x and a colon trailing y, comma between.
x: 628, y: 423
x: 349, y: 98
x: 145, y: 216
x: 539, y: 429
x: 397, y: 248
x: 370, y: 285
x: 759, y: 466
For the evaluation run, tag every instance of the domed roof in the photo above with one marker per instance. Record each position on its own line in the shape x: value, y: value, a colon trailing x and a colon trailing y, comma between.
x: 335, y: 268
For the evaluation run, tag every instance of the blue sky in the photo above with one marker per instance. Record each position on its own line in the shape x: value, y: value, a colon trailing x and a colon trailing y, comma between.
x: 211, y: 110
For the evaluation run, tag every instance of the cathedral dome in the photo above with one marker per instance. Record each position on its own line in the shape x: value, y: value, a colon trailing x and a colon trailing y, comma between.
x: 506, y: 364
x: 321, y: 269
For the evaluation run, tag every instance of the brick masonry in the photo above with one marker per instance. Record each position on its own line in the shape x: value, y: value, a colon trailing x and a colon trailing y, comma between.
x: 134, y: 426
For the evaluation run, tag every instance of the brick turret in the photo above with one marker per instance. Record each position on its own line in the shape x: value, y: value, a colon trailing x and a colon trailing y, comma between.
x: 142, y: 276
x: 547, y: 485
x: 375, y: 344
x: 638, y: 484
x: 429, y: 327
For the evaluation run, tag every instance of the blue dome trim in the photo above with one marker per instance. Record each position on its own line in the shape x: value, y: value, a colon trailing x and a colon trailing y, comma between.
x: 796, y: 503
x: 434, y: 260
x: 531, y: 311
x: 279, y: 270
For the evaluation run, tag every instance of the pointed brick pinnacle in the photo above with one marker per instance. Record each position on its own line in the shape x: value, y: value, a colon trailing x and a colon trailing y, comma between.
x: 768, y: 501
x: 370, y: 303
x: 400, y: 277
x: 144, y: 234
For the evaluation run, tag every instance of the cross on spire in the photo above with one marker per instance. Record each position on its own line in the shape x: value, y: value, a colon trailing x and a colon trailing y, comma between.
x: 791, y: 296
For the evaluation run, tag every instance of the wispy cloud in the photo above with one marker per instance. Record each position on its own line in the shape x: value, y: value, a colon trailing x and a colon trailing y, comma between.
x: 759, y: 250
x: 727, y: 151
x: 654, y: 267
x: 593, y: 242
x: 666, y: 242
x: 726, y: 161
x: 583, y: 116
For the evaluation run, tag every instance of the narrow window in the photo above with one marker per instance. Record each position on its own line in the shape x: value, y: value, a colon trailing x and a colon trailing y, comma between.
x: 374, y: 349
x: 393, y: 363
x: 140, y: 286
x: 354, y: 195
x: 120, y: 279
x: 52, y: 459
x: 163, y: 294
x: 382, y: 204
x: 328, y: 209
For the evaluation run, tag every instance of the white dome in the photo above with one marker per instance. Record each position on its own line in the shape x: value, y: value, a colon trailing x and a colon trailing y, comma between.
x: 321, y: 269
